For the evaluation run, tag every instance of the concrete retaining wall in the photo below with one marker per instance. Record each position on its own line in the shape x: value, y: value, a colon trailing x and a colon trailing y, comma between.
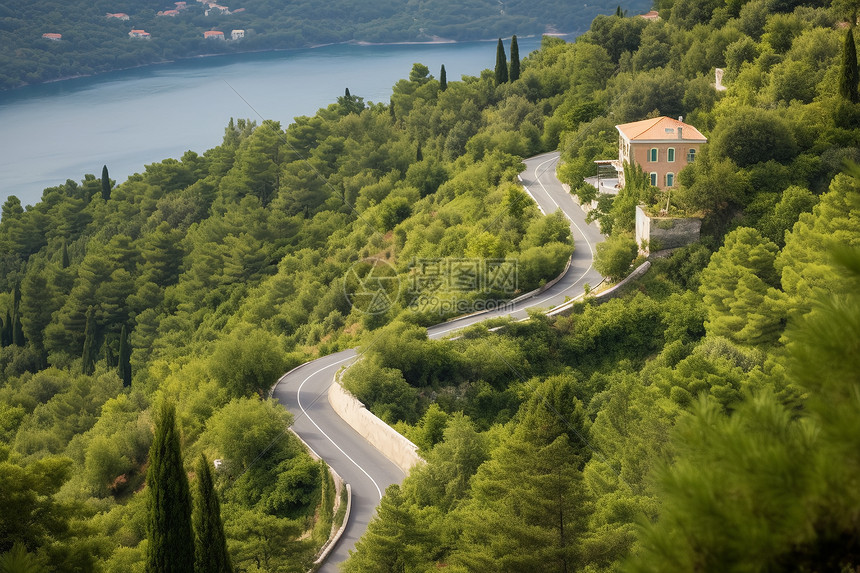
x: 621, y: 287
x: 664, y: 233
x: 608, y: 294
x: 401, y: 452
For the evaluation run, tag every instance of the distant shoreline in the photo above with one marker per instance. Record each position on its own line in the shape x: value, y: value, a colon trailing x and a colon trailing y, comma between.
x: 434, y: 41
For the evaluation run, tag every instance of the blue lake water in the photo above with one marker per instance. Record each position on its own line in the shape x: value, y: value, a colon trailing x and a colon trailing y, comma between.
x: 128, y: 119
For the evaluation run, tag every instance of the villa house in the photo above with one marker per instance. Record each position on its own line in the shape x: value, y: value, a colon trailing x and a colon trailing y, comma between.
x: 52, y: 36
x: 213, y: 35
x: 662, y: 146
x: 237, y: 34
x: 139, y: 34
x: 119, y: 16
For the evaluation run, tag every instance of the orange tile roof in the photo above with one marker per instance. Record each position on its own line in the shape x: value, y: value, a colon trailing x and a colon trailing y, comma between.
x: 652, y: 15
x: 659, y: 129
x: 52, y: 36
x: 211, y: 33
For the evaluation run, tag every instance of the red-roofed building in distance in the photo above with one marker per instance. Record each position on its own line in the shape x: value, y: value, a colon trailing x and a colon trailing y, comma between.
x: 118, y: 16
x: 180, y: 5
x: 139, y: 34
x: 213, y: 35
x: 652, y: 15
x: 662, y: 146
x: 167, y: 13
x: 237, y: 34
x: 53, y: 37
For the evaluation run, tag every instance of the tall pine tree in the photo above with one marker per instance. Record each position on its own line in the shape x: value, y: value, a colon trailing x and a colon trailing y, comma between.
x: 515, y: 60
x: 124, y: 365
x: 849, y: 77
x: 88, y: 357
x: 105, y: 183
x: 443, y: 79
x: 168, y: 521
x: 501, y: 64
x: 210, y: 545
x: 392, y: 541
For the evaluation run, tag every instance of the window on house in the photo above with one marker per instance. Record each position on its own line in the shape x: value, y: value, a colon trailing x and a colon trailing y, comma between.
x: 654, y: 179
x: 670, y: 180
x: 670, y: 155
x: 691, y: 155
x: 652, y: 155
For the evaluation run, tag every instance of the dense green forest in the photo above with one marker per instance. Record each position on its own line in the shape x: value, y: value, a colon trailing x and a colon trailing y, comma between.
x: 93, y: 43
x: 707, y: 421
x: 199, y: 281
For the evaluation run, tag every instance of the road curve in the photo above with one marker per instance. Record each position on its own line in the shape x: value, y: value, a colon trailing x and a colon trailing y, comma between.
x: 304, y: 390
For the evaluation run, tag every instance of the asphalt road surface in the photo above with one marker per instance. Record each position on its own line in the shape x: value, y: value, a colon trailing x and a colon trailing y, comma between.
x: 304, y: 391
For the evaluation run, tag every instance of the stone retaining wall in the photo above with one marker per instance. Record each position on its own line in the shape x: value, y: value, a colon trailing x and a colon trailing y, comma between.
x: 665, y: 233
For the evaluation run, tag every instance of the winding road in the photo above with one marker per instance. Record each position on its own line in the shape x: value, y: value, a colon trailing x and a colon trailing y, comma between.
x: 304, y: 390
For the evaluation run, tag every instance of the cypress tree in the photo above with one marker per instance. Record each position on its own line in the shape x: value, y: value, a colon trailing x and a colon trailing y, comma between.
x: 17, y: 329
x: 849, y: 76
x: 105, y: 183
x: 64, y: 257
x: 168, y: 521
x: 501, y: 64
x: 5, y: 331
x: 515, y: 59
x: 124, y: 364
x: 443, y: 79
x: 210, y: 544
x: 419, y: 155
x: 618, y: 12
x: 88, y: 357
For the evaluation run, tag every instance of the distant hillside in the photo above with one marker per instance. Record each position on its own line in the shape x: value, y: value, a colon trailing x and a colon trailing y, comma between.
x: 91, y: 41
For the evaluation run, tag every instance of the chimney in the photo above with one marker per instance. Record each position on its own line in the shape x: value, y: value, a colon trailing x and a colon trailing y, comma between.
x: 680, y: 132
